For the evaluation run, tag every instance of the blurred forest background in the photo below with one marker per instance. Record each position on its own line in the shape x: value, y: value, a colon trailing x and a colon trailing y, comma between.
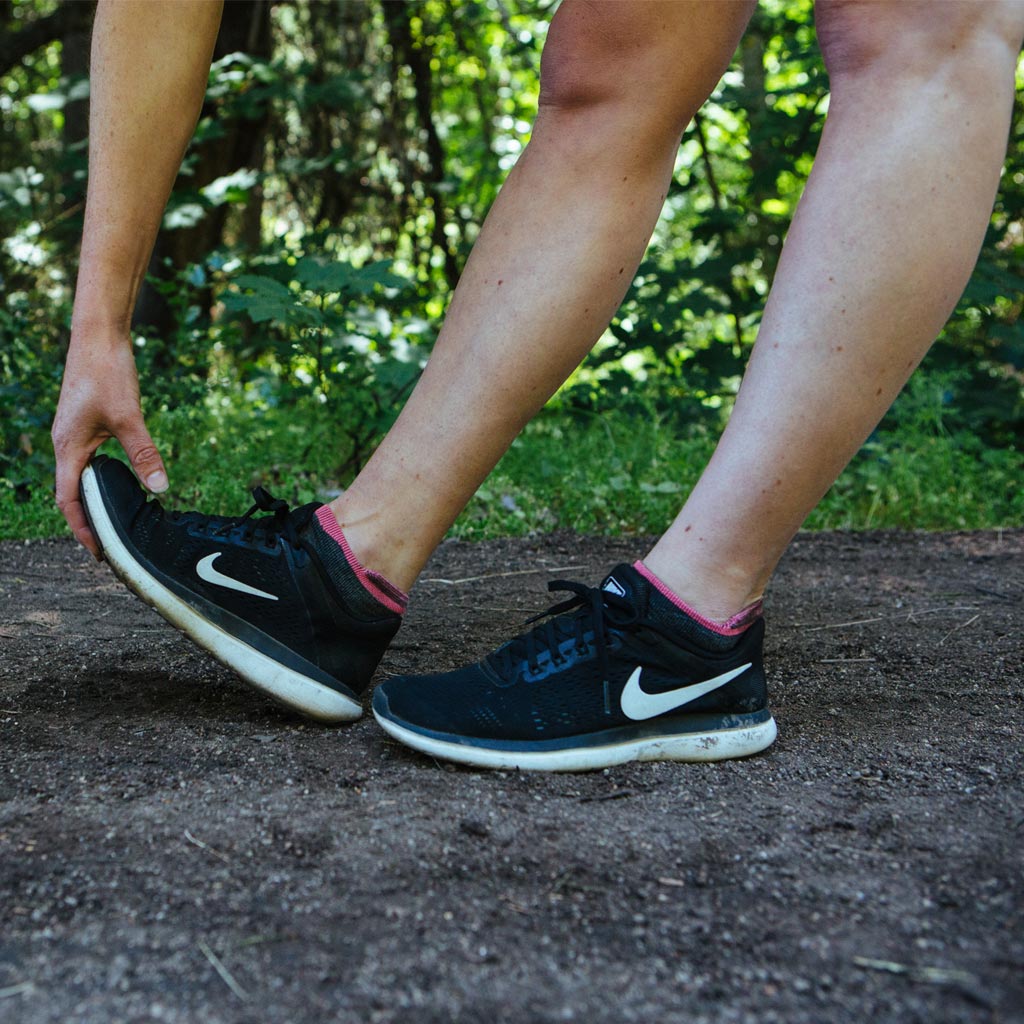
x: 346, y: 156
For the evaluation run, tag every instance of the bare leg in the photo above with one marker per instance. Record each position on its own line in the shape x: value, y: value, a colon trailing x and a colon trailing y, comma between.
x: 553, y: 261
x: 880, y: 249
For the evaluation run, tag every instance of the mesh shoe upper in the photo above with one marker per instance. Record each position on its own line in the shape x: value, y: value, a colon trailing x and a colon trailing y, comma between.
x: 259, y: 576
x: 567, y: 676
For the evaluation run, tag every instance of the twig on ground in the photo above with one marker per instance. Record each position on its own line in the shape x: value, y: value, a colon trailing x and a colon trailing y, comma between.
x: 839, y: 625
x: 203, y: 846
x: 22, y: 988
x: 912, y: 614
x: 931, y: 975
x: 501, y: 575
x: 223, y: 971
x: 837, y: 661
x: 512, y: 905
x: 955, y: 629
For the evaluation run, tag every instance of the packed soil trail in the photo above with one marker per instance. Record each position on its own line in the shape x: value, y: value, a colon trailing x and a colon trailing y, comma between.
x: 175, y: 848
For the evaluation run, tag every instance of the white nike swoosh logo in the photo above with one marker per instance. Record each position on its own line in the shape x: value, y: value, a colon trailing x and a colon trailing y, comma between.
x: 638, y: 704
x: 206, y: 571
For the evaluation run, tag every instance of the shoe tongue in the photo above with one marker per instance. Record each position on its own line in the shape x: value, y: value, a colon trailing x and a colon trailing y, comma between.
x: 304, y: 514
x: 626, y: 582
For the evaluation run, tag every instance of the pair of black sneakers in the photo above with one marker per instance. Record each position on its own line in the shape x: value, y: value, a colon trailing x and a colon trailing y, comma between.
x: 612, y: 674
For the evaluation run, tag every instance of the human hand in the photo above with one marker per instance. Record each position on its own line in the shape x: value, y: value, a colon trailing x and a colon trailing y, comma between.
x: 99, y: 399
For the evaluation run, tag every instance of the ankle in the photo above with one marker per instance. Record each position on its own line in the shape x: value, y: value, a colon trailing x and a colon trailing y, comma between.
x: 722, y: 597
x: 389, y: 556
x: 380, y: 587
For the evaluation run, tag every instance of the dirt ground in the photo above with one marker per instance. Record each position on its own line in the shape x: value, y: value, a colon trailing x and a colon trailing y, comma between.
x: 175, y: 848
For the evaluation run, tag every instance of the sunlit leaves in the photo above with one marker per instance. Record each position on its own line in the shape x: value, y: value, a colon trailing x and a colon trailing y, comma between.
x: 338, y: 277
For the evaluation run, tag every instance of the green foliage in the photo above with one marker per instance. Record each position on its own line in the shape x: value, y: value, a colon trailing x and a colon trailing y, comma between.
x: 343, y: 163
x: 927, y: 468
x: 617, y: 473
x: 333, y: 330
x: 31, y: 352
x: 627, y: 473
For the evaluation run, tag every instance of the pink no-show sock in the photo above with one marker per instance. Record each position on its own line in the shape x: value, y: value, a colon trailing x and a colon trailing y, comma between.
x: 381, y: 588
x: 732, y: 626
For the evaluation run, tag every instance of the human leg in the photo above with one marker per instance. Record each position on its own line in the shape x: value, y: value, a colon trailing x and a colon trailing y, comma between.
x: 552, y: 263
x: 881, y: 246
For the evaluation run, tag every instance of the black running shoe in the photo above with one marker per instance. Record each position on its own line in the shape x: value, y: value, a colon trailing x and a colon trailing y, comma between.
x: 620, y: 674
x: 272, y: 597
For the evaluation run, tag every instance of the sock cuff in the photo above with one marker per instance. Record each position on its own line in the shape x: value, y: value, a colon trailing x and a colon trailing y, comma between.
x: 733, y: 626
x: 393, y: 598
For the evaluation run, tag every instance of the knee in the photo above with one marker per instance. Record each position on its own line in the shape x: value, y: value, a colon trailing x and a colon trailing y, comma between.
x: 576, y: 65
x: 906, y: 38
x: 656, y: 61
x: 597, y: 53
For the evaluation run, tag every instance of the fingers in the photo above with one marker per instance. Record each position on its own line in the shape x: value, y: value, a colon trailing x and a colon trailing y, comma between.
x: 69, y: 473
x: 143, y: 455
x: 73, y: 452
x: 99, y: 399
x: 74, y: 513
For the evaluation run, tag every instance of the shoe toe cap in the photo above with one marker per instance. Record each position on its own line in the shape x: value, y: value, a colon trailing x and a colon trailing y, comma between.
x: 122, y: 495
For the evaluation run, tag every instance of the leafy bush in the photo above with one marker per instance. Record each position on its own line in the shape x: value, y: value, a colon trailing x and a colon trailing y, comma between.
x: 343, y: 162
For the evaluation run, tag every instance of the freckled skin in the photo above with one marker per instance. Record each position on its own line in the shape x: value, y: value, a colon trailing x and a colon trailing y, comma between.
x: 923, y: 136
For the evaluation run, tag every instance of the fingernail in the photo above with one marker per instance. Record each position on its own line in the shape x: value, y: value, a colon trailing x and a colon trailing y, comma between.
x: 157, y: 482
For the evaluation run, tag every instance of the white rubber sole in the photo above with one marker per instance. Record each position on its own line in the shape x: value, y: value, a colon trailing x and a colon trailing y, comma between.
x: 283, y: 684
x: 713, y: 746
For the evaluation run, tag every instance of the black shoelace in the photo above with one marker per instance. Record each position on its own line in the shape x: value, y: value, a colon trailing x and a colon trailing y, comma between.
x: 590, y: 611
x: 282, y: 520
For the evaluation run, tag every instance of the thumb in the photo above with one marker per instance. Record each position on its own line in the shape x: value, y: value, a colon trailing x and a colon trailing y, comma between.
x: 144, y: 457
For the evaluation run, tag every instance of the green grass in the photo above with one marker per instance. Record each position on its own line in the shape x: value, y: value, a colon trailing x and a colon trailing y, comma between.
x: 631, y: 476
x: 614, y: 474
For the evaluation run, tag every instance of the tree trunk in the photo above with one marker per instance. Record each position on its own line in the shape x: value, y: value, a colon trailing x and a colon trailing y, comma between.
x: 414, y: 54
